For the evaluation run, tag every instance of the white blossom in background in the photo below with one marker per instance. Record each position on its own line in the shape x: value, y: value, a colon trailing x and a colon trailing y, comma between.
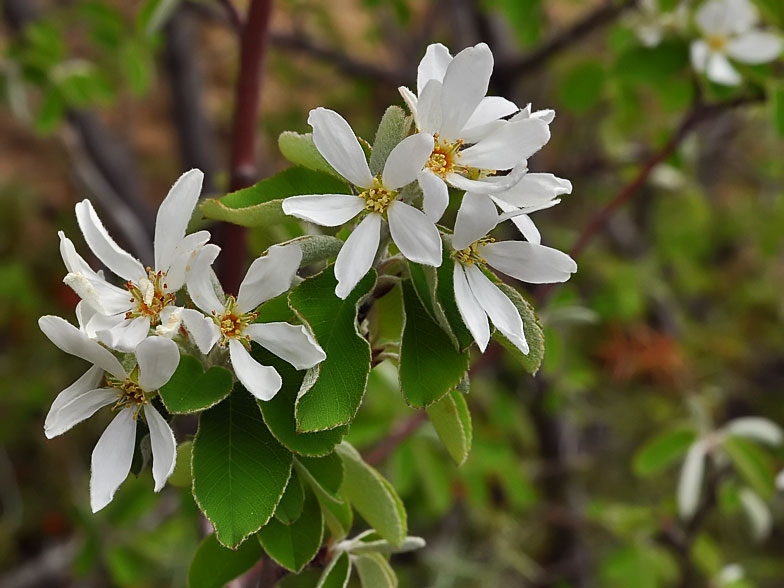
x: 123, y: 317
x: 478, y: 299
x: 108, y: 382
x: 730, y: 574
x: 411, y: 230
x: 651, y: 24
x: 473, y: 141
x: 757, y: 429
x: 728, y: 31
x: 232, y: 325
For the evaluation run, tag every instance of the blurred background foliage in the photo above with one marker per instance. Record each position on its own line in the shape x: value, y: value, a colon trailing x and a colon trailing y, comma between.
x: 674, y: 318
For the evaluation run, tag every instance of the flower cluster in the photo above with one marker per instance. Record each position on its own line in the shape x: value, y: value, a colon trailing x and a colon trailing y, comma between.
x: 723, y: 31
x: 133, y: 334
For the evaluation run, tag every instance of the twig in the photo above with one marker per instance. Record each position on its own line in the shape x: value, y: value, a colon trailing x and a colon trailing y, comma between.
x: 399, y: 434
x: 253, y: 44
x: 233, y: 15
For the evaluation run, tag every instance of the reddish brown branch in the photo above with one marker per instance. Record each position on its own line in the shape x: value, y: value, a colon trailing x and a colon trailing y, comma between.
x: 253, y: 44
x: 399, y: 434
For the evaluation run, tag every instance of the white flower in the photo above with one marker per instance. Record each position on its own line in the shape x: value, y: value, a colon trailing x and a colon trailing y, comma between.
x: 472, y: 139
x: 650, y: 23
x: 477, y: 297
x: 124, y: 317
x: 232, y: 318
x: 727, y: 28
x: 412, y: 231
x: 107, y: 382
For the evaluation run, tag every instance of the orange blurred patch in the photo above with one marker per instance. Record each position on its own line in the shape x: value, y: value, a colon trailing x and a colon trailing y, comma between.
x: 642, y: 353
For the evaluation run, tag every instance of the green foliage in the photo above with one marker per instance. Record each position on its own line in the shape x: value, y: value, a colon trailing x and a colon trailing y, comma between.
x: 429, y: 365
x: 291, y: 504
x: 181, y: 476
x: 581, y: 88
x: 392, y: 129
x: 375, y: 572
x: 372, y: 496
x: 752, y: 463
x: 294, y: 545
x: 332, y: 391
x: 337, y: 572
x: 214, y: 565
x: 532, y: 329
x: 260, y: 204
x: 452, y: 421
x: 191, y: 389
x: 239, y: 470
x: 300, y: 150
x: 663, y: 450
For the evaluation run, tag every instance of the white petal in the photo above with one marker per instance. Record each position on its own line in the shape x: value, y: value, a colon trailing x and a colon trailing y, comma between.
x: 465, y: 84
x: 690, y: 480
x: 202, y: 329
x: 410, y: 99
x: 294, y: 343
x: 174, y: 214
x: 490, y: 108
x: 163, y: 445
x: 429, y: 113
x: 260, y: 380
x: 200, y: 285
x: 268, y: 276
x: 433, y: 65
x: 479, y: 132
x: 721, y: 71
x: 71, y: 340
x: 74, y: 262
x: 488, y: 185
x: 477, y: 217
x: 356, y: 256
x: 529, y: 262
x: 528, y: 229
x: 406, y: 160
x: 337, y: 142
x: 88, y: 381
x: 414, y: 234
x: 498, y: 307
x: 111, y: 460
x: 535, y: 191
x: 757, y: 428
x: 725, y: 16
x: 158, y: 357
x: 327, y: 210
x: 103, y: 246
x: 508, y: 146
x: 435, y: 194
x: 98, y: 293
x: 84, y: 312
x: 699, y: 52
x: 78, y: 409
x: 758, y: 513
x: 125, y: 335
x: 98, y: 323
x: 755, y: 47
x: 171, y: 321
x: 471, y: 311
x: 547, y: 115
x: 184, y: 255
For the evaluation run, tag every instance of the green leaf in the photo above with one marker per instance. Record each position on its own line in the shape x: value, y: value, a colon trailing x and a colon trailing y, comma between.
x: 290, y: 506
x: 332, y: 391
x: 181, y: 476
x: 370, y: 542
x: 752, y: 463
x: 214, y: 566
x: 375, y: 572
x: 300, y: 150
x: 392, y: 129
x: 777, y: 107
x: 317, y: 247
x: 325, y: 471
x: 294, y: 545
x: 580, y: 89
x: 662, y: 451
x: 337, y: 573
x: 239, y: 470
x: 452, y: 422
x: 138, y: 65
x: 534, y: 334
x: 191, y: 389
x: 338, y: 516
x: 278, y: 412
x: 372, y: 496
x: 325, y: 476
x: 429, y: 365
x: 260, y: 204
x: 652, y: 65
x: 445, y: 294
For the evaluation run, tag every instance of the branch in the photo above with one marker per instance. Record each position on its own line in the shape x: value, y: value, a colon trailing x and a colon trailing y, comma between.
x: 400, y: 433
x: 599, y: 17
x: 243, y: 170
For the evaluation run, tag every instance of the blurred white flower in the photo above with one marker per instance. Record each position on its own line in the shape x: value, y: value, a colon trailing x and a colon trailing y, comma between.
x: 123, y: 317
x: 473, y: 140
x: 232, y: 323
x: 651, y: 24
x: 477, y: 297
x: 412, y: 231
x: 108, y: 382
x: 728, y: 30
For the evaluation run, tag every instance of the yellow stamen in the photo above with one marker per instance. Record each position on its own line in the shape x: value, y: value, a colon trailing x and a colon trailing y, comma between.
x: 471, y: 254
x: 378, y: 198
x: 232, y: 323
x: 149, y: 297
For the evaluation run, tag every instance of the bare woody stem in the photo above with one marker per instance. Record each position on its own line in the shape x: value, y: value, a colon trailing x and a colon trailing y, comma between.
x: 243, y: 169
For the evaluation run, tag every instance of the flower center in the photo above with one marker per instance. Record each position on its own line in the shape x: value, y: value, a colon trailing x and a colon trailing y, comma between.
x: 378, y: 198
x: 443, y: 159
x: 717, y: 42
x: 149, y: 297
x: 129, y: 395
x: 232, y: 323
x: 471, y: 254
